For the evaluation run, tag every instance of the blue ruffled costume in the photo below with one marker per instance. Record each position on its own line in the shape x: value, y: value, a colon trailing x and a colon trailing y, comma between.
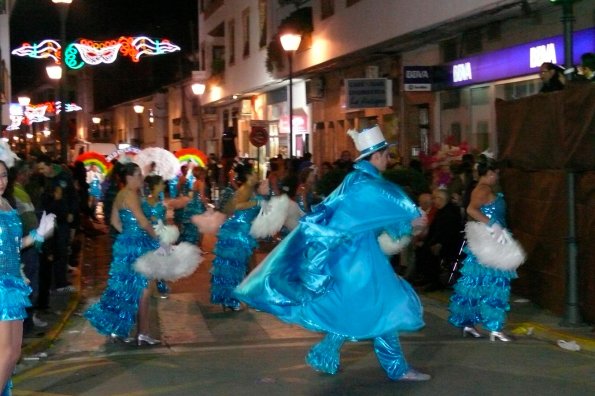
x: 154, y: 213
x: 233, y: 251
x: 189, y: 232
x: 95, y: 187
x: 330, y: 275
x: 14, y: 291
x: 116, y: 310
x: 481, y: 294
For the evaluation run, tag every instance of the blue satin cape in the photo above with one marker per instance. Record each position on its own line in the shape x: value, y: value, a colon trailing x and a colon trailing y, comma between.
x: 330, y: 275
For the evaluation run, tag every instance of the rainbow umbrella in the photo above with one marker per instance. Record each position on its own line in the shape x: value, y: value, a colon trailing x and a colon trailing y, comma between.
x: 94, y: 158
x: 192, y: 154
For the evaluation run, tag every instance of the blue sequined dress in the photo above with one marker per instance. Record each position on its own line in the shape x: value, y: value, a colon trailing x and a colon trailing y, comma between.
x: 155, y: 213
x: 481, y: 294
x: 330, y: 274
x: 95, y: 187
x: 189, y: 232
x: 233, y: 251
x: 116, y: 310
x: 14, y: 291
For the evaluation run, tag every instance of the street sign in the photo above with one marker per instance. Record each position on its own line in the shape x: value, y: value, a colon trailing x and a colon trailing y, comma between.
x: 259, y: 136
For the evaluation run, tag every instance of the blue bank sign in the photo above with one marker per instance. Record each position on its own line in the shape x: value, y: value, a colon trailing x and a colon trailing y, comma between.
x: 519, y: 60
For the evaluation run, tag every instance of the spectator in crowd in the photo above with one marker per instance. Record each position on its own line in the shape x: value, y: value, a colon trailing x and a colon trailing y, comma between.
x: 345, y: 161
x: 18, y: 176
x: 325, y: 168
x: 552, y: 77
x: 306, y: 161
x: 59, y: 197
x: 587, y: 66
x: 442, y: 242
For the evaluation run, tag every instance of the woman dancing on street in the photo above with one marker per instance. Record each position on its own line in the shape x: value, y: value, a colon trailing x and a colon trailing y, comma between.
x: 197, y: 205
x: 481, y: 293
x: 126, y: 298
x: 155, y: 211
x: 235, y: 245
x: 14, y: 291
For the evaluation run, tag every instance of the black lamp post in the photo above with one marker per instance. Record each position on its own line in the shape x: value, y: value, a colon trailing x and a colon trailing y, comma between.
x: 572, y: 316
x: 63, y: 8
x: 290, y: 43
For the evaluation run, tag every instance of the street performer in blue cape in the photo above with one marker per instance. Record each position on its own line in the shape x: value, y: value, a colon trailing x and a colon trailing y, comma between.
x: 332, y: 273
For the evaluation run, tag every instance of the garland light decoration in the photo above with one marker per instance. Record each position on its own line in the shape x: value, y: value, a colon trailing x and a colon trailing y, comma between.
x: 85, y: 51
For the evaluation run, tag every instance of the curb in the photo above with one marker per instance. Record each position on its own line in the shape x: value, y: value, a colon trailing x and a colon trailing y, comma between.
x: 534, y: 329
x: 542, y: 332
x: 50, y: 336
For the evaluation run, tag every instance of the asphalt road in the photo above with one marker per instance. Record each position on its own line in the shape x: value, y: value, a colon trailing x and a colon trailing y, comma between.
x: 206, y: 351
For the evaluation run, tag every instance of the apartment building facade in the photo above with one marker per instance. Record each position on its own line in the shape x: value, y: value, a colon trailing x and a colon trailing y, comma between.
x: 390, y: 42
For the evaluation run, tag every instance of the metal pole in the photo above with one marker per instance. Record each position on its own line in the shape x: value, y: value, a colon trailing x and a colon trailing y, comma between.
x: 290, y: 105
x: 62, y: 90
x: 572, y: 316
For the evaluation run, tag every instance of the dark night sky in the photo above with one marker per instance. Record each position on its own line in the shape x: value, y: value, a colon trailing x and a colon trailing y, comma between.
x: 34, y: 20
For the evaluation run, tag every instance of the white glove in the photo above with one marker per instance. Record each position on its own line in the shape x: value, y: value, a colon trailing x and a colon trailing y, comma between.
x: 419, y: 223
x: 46, y: 225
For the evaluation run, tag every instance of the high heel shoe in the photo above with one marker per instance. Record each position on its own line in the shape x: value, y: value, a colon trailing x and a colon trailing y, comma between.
x: 472, y: 331
x: 498, y: 335
x: 143, y: 338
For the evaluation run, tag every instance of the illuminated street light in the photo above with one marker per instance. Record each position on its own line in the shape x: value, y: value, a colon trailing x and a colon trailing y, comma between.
x: 96, y: 120
x: 138, y: 109
x: 63, y: 7
x: 54, y: 72
x: 290, y: 43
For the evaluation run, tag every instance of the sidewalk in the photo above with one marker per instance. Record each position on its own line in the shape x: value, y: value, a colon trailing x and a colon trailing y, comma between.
x: 36, y: 340
x: 525, y: 318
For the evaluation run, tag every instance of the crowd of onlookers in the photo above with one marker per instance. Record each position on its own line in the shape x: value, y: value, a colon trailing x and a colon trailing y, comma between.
x: 39, y: 185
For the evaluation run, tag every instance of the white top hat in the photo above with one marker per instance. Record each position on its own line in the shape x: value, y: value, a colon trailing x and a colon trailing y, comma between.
x: 368, y: 141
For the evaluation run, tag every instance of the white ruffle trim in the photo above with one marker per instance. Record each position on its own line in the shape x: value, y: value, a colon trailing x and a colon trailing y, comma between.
x: 504, y: 253
x: 181, y: 261
x: 210, y: 221
x: 294, y: 214
x: 168, y: 234
x: 392, y: 246
x: 271, y: 217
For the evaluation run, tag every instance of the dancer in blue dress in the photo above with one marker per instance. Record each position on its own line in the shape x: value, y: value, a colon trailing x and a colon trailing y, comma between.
x: 155, y: 211
x: 197, y: 205
x: 94, y: 179
x: 482, y: 292
x: 125, y: 301
x: 14, y: 291
x: 235, y: 245
x: 331, y: 275
x: 181, y: 191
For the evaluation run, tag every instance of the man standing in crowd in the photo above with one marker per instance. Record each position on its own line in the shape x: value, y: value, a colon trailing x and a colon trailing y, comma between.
x: 59, y: 197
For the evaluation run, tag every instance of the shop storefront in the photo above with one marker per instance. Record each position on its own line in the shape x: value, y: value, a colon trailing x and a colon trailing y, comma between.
x: 466, y: 106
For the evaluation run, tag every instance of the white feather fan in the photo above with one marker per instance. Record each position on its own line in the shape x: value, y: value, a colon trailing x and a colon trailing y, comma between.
x: 504, y: 253
x: 392, y: 246
x: 176, y: 263
x: 271, y: 217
